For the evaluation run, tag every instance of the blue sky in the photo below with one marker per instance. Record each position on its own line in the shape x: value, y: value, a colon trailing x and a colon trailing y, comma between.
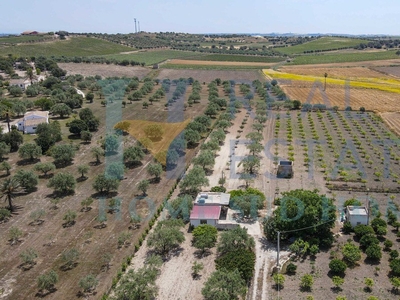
x: 203, y: 16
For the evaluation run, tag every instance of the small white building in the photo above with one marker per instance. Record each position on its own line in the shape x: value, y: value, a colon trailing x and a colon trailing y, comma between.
x: 31, y: 120
x: 22, y: 83
x: 357, y: 215
x: 205, y: 214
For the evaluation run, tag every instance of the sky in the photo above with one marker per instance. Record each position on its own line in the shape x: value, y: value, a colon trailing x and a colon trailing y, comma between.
x: 203, y: 16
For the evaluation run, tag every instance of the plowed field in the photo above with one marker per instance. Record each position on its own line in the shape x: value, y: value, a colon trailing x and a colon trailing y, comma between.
x: 342, y: 96
x: 392, y: 119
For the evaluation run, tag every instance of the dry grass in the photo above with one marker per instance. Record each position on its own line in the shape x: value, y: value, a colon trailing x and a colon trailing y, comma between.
x: 104, y: 70
x: 171, y: 131
x: 337, y: 95
x: 343, y: 73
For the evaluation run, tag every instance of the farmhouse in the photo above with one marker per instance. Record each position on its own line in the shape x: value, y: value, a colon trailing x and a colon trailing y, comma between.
x: 30, y: 32
x: 212, y: 208
x: 357, y: 215
x: 205, y: 214
x: 22, y: 83
x: 31, y: 120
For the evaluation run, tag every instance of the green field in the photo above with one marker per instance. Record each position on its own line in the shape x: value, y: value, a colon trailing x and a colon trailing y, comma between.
x: 344, y: 57
x: 210, y: 67
x: 24, y: 39
x: 78, y: 46
x: 236, y: 58
x: 152, y: 57
x: 324, y: 43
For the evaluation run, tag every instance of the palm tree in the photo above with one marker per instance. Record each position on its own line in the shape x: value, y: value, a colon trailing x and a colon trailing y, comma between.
x: 325, y: 75
x: 8, y: 190
x: 7, y: 113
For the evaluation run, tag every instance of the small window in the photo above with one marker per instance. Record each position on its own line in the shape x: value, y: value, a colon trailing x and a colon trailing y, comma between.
x: 33, y: 127
x: 358, y: 223
x: 203, y: 221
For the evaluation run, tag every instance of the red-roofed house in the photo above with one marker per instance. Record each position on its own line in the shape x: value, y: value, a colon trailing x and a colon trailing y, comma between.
x: 205, y: 214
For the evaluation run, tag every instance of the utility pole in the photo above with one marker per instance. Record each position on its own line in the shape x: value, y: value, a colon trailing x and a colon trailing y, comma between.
x: 277, y: 257
x: 135, y: 26
x: 138, y: 26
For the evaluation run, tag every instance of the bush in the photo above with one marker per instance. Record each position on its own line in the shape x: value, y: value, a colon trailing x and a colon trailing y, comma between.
x: 88, y: 283
x: 361, y: 230
x: 394, y: 254
x: 337, y: 266
x: 378, y: 222
x: 4, y: 214
x: 243, y: 260
x: 218, y: 189
x: 351, y: 253
x: 307, y: 282
x: 279, y: 280
x: 291, y: 268
x: 395, y: 266
x: 388, y: 244
x: 347, y: 228
x: 374, y: 252
x: 368, y: 240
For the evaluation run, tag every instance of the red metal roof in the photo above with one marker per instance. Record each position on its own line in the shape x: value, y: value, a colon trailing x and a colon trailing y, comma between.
x: 210, y: 212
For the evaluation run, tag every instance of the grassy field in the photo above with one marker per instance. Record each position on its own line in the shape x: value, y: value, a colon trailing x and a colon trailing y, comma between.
x: 241, y: 58
x: 152, y: 57
x: 324, y: 43
x: 24, y: 38
x: 79, y: 46
x: 344, y: 57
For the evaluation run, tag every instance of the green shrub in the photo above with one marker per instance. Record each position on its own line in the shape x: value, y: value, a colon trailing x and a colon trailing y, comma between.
x: 337, y: 266
x: 291, y: 268
x: 361, y: 230
x: 347, y: 228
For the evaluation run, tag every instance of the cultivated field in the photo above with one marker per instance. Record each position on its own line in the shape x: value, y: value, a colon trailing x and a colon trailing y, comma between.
x: 392, y: 120
x: 25, y: 39
x: 104, y: 70
x: 336, y: 95
x: 354, y: 86
x: 237, y: 64
x: 344, y: 57
x: 75, y: 46
x: 151, y: 57
x: 393, y: 71
x: 209, y: 75
x: 235, y: 58
x: 324, y: 43
x: 351, y: 73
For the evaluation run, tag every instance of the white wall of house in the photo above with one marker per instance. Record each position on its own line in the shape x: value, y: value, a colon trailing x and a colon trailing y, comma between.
x: 197, y: 222
x: 30, y: 129
x: 20, y: 125
x: 357, y: 220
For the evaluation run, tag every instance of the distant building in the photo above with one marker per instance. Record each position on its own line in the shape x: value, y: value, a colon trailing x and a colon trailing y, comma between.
x: 29, y: 32
x: 22, y: 83
x: 31, y: 120
x: 357, y: 215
